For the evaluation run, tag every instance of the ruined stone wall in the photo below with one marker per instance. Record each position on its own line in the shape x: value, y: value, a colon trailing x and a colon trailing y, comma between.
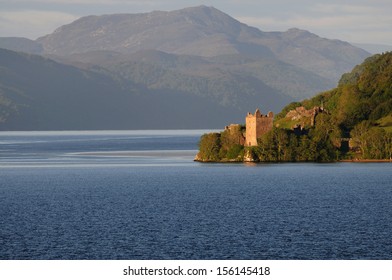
x: 305, y: 116
x: 264, y: 124
x: 236, y: 132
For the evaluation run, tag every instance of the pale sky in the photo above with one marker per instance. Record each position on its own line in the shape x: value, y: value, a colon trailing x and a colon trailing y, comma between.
x: 356, y: 21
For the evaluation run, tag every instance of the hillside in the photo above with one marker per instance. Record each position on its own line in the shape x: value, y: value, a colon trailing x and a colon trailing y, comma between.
x: 21, y: 45
x: 359, y: 108
x: 37, y: 93
x: 40, y: 94
x: 156, y: 69
x: 276, y: 59
x: 201, y: 31
x: 195, y: 68
x: 350, y: 122
x: 364, y: 94
x: 197, y: 31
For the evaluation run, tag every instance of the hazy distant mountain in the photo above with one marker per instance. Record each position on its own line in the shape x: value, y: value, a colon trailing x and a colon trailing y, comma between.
x: 202, y: 31
x: 156, y: 69
x: 37, y: 93
x: 327, y: 58
x: 191, y: 68
x: 20, y: 45
x: 374, y: 48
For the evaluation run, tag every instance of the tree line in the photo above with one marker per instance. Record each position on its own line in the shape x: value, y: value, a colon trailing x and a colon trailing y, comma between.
x: 322, y: 143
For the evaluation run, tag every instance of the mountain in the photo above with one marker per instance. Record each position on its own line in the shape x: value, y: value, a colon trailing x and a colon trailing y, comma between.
x: 327, y: 58
x: 296, y: 63
x: 194, y: 68
x: 351, y: 122
x: 275, y: 58
x: 363, y: 95
x: 156, y: 69
x: 21, y: 45
x: 374, y: 48
x: 201, y: 31
x: 37, y: 93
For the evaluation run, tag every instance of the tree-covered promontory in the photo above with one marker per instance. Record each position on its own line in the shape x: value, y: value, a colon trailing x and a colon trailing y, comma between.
x: 355, y: 122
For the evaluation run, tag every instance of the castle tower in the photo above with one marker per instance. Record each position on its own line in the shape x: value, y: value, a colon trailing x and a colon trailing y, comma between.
x: 256, y: 126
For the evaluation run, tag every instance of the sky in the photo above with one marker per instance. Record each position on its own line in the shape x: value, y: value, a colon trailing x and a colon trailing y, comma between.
x: 355, y: 21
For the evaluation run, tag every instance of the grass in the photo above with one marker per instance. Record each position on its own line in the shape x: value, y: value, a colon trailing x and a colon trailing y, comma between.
x: 287, y: 123
x: 386, y: 123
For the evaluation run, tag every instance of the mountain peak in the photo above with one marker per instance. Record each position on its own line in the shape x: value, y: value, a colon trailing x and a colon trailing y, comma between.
x: 200, y: 8
x: 197, y: 30
x: 294, y: 33
x: 201, y: 31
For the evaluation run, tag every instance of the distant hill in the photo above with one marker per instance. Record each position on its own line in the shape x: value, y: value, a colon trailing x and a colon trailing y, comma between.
x: 201, y: 31
x: 37, y: 93
x: 194, y: 68
x: 21, y: 45
x: 159, y: 70
x: 374, y: 48
x: 364, y: 94
x: 278, y: 59
x: 351, y: 122
x: 359, y: 109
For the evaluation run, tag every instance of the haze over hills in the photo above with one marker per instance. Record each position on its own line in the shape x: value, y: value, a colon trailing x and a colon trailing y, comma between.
x: 37, y: 93
x: 374, y: 48
x: 177, y: 64
x: 21, y: 45
x: 202, y: 31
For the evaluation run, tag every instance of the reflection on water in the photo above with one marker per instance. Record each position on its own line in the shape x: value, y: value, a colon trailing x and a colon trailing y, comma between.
x: 97, y: 148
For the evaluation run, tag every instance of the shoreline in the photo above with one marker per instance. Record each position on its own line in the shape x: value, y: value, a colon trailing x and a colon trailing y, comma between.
x: 343, y: 160
x: 365, y: 160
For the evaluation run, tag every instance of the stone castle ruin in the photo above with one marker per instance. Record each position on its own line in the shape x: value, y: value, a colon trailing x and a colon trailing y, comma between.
x: 300, y: 113
x: 256, y: 126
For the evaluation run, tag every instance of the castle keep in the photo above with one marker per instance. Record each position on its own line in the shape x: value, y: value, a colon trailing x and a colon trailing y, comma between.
x: 256, y: 126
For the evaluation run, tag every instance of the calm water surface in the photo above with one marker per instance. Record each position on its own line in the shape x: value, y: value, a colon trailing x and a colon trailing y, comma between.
x: 139, y: 195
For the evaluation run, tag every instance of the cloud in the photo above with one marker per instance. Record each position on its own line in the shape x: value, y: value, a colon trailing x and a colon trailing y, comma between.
x: 32, y: 23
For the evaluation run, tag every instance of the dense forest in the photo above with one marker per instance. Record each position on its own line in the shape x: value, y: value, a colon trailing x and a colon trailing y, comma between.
x: 356, y: 123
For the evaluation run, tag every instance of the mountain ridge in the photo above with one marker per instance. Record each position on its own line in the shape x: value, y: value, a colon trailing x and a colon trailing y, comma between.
x: 206, y: 32
x: 37, y: 93
x: 199, y: 54
x: 133, y: 32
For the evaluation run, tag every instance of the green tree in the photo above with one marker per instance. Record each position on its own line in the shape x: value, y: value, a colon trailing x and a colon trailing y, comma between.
x: 359, y: 136
x: 281, y: 140
x: 306, y: 150
x: 292, y: 147
x: 230, y: 142
x: 267, y: 149
x: 209, y: 147
x: 323, y: 135
x: 235, y: 152
x: 388, y: 145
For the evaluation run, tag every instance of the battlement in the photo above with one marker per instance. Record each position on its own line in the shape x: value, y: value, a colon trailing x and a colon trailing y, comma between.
x: 257, y: 124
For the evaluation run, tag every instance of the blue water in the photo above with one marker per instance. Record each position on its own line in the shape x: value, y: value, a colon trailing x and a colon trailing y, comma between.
x: 139, y: 195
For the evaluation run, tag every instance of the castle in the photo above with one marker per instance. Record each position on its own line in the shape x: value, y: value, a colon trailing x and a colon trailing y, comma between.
x: 256, y: 126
